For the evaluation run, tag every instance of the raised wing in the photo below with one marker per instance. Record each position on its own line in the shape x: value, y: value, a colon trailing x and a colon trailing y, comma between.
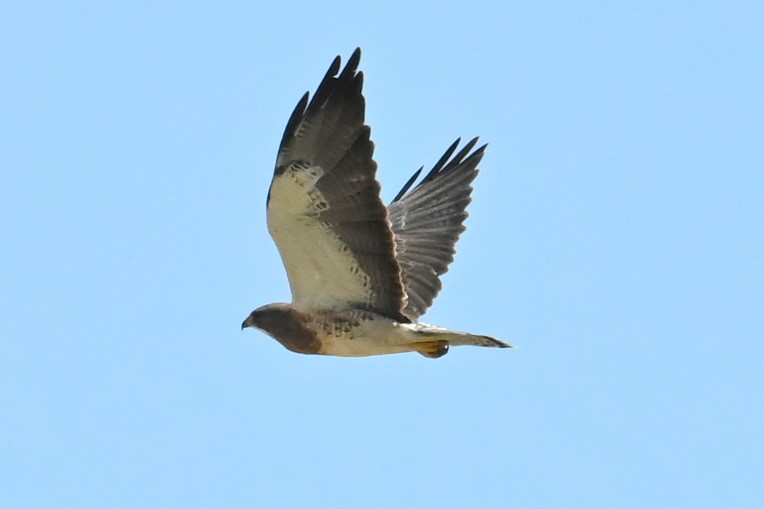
x: 324, y: 209
x: 428, y: 221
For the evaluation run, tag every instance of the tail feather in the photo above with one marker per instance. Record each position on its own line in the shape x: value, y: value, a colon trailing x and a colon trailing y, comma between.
x: 429, y: 333
x: 462, y: 338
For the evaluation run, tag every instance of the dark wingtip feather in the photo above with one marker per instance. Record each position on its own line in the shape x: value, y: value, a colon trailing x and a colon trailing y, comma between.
x: 326, y: 86
x: 334, y: 78
x: 354, y: 60
x: 447, y: 163
x: 296, y: 116
x: 407, y: 185
x: 346, y: 84
x: 442, y: 161
x: 458, y: 159
x: 334, y: 68
x: 475, y: 157
x: 301, y: 109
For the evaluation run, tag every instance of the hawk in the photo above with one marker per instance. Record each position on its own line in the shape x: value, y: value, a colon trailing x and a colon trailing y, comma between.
x: 361, y: 274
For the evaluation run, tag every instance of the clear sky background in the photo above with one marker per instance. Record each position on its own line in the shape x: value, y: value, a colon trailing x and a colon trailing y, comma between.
x: 616, y: 237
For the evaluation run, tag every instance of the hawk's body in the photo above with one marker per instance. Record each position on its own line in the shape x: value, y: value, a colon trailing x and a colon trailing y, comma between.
x: 356, y: 333
x: 361, y: 274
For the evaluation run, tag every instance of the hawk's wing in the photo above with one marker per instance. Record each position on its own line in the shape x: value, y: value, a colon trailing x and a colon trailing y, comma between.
x: 427, y: 223
x: 324, y: 209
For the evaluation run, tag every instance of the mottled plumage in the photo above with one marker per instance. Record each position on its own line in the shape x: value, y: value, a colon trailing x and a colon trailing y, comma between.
x: 361, y: 274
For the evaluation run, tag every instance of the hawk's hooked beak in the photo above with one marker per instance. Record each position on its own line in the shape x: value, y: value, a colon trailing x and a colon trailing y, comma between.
x: 246, y: 323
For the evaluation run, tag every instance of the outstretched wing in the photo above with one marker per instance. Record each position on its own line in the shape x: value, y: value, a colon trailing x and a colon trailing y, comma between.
x: 428, y: 221
x: 324, y: 209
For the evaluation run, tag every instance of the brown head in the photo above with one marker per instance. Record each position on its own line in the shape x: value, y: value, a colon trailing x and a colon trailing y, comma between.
x: 285, y: 325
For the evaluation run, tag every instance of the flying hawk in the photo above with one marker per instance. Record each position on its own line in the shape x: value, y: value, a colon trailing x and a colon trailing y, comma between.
x: 361, y: 274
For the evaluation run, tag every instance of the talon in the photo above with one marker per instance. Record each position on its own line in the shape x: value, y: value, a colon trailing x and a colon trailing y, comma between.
x: 433, y: 349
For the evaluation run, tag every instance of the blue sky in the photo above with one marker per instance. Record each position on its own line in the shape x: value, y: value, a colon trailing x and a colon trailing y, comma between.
x: 615, y: 237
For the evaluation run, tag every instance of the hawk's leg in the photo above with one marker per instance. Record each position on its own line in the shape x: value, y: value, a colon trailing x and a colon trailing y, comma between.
x: 432, y: 349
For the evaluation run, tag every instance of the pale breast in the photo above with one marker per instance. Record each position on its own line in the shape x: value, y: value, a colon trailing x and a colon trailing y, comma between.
x: 359, y: 333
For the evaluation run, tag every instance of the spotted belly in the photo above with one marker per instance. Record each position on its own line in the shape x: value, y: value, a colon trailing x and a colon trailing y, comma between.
x: 360, y: 334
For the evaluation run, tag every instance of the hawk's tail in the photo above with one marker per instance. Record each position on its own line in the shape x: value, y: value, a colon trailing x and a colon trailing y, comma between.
x: 460, y: 338
x: 433, y: 341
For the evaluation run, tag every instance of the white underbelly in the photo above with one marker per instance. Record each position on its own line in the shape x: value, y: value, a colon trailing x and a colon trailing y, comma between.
x: 376, y: 337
